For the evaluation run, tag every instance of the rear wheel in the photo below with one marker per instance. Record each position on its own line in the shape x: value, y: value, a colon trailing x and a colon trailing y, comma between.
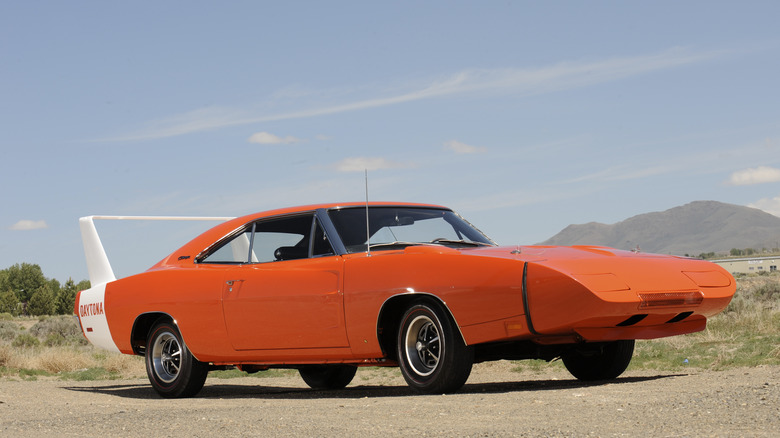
x: 327, y: 376
x: 432, y: 355
x: 601, y: 361
x: 172, y: 370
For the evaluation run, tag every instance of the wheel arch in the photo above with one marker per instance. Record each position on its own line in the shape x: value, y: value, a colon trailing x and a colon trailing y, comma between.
x: 391, y: 312
x: 140, y: 332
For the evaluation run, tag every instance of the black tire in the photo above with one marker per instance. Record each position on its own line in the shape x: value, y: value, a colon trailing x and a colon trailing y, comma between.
x: 172, y: 370
x: 327, y: 376
x: 603, y: 361
x: 431, y: 352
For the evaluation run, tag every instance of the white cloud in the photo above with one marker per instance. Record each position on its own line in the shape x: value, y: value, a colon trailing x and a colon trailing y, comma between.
x: 518, y: 81
x: 463, y: 148
x: 268, y: 138
x: 26, y: 225
x: 769, y: 205
x: 360, y: 164
x: 758, y: 175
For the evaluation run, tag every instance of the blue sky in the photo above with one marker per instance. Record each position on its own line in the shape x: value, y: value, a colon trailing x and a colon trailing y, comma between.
x: 525, y: 117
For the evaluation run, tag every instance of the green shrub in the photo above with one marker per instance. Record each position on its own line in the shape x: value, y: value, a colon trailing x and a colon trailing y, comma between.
x: 54, y: 340
x: 63, y: 326
x: 26, y: 340
x: 9, y: 330
x: 767, y: 291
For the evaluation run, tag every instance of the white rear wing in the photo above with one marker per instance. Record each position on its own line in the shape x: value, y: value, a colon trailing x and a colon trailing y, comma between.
x: 98, y: 266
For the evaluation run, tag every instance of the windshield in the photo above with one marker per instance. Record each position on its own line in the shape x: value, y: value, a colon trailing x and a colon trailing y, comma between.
x: 393, y: 227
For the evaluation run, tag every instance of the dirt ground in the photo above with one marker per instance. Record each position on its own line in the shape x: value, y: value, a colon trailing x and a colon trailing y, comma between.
x: 494, y: 402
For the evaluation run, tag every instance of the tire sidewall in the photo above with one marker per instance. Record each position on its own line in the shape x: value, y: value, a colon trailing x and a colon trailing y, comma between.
x: 191, y: 375
x: 611, y: 363
x: 328, y: 377
x: 417, y: 379
x: 455, y: 358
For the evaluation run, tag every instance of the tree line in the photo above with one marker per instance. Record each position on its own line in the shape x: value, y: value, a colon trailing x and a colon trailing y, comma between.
x: 24, y: 290
x: 737, y: 252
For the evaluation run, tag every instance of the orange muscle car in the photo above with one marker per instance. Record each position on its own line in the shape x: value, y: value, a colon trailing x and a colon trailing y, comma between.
x: 327, y: 288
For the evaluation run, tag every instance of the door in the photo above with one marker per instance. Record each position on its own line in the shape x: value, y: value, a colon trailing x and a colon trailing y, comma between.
x: 282, y: 286
x: 286, y: 304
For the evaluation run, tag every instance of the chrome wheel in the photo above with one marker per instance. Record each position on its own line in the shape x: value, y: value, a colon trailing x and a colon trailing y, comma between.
x: 432, y: 355
x: 172, y: 370
x: 166, y: 357
x: 423, y: 345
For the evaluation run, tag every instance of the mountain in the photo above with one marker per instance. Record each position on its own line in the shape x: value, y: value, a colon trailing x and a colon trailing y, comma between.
x: 695, y: 228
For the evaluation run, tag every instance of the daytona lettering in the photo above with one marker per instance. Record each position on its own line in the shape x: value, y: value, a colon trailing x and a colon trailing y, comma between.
x: 91, y: 309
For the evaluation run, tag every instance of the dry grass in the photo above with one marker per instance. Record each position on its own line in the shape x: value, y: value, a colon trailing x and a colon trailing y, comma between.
x: 59, y: 360
x: 54, y: 346
x: 68, y: 362
x: 124, y: 365
x: 6, y: 353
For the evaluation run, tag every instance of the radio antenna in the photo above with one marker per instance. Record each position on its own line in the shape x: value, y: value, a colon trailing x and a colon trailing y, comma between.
x: 368, y: 229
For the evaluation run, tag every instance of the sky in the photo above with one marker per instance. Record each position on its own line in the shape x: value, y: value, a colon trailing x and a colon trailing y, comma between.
x: 524, y: 117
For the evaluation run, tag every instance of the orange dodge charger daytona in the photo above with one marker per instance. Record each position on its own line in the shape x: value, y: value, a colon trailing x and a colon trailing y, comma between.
x: 327, y: 288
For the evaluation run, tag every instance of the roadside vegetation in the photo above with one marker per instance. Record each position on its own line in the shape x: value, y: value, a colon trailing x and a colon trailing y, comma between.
x: 738, y: 253
x: 746, y: 334
x: 25, y: 291
x: 54, y: 346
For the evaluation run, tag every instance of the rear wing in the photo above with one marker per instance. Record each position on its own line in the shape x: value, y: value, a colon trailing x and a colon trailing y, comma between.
x: 98, y: 266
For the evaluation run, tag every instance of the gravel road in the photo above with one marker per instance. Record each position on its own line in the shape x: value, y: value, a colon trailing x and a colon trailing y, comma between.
x: 494, y: 402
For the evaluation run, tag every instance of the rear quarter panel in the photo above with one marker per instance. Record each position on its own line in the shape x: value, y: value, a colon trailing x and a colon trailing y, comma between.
x: 191, y: 296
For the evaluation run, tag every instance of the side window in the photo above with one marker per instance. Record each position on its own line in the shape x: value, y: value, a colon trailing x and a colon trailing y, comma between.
x: 288, y: 238
x: 282, y: 239
x: 235, y: 250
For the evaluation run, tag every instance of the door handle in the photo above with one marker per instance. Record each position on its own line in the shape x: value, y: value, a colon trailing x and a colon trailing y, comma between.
x: 231, y: 283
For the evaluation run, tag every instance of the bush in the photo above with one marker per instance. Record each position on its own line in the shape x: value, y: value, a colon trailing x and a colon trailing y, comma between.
x: 62, y: 326
x: 759, y: 290
x: 26, y: 340
x: 767, y: 291
x: 54, y: 339
x: 9, y: 330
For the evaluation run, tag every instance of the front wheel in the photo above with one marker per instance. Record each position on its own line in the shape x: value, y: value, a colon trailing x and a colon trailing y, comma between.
x: 171, y: 368
x: 432, y: 355
x: 327, y: 376
x: 601, y: 361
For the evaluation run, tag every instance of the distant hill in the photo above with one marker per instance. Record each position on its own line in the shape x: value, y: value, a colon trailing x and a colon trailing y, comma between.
x: 695, y: 228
